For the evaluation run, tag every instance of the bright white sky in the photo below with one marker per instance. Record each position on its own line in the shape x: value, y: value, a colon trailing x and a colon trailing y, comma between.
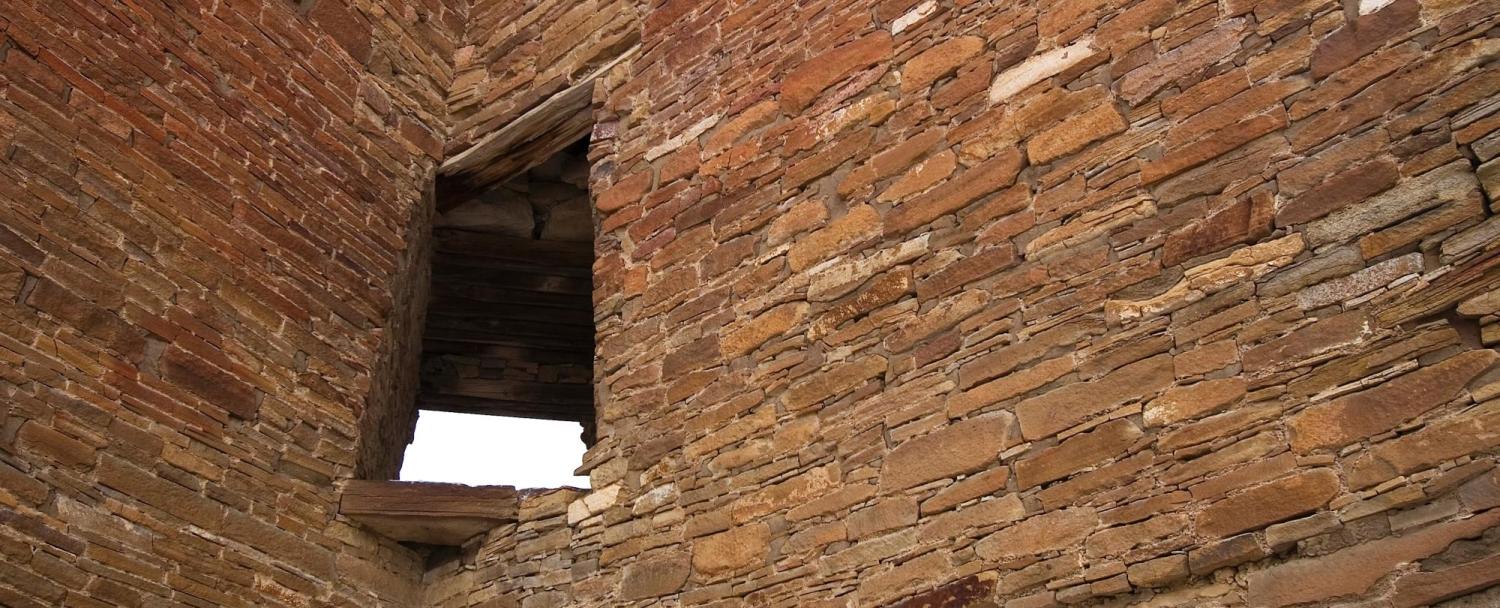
x: 479, y: 450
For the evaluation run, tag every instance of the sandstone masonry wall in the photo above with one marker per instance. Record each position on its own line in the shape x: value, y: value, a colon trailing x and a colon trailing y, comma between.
x: 901, y: 302
x: 520, y: 52
x: 1078, y: 302
x: 210, y: 216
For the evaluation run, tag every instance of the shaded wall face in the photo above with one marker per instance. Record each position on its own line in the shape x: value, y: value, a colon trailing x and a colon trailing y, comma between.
x: 202, y: 208
x: 1035, y: 303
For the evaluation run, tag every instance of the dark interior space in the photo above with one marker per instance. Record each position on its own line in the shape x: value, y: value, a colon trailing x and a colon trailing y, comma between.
x: 510, y: 325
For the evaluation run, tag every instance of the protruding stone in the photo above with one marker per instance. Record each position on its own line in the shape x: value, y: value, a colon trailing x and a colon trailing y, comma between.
x: 730, y: 551
x: 1335, y: 423
x: 1038, y: 68
x: 1054, y: 411
x: 962, y: 447
x: 1276, y: 501
x: 654, y: 576
x: 808, y: 80
x: 1039, y: 534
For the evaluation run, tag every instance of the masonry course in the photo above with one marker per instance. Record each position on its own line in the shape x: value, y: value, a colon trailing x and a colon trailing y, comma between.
x: 897, y: 302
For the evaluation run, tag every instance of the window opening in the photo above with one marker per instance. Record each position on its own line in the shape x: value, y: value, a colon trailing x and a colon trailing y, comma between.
x: 507, y: 359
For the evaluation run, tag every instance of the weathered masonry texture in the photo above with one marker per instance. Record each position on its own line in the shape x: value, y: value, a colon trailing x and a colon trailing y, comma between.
x: 913, y: 302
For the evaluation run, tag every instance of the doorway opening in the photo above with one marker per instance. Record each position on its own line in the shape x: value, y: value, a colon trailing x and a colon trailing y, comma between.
x: 507, y: 356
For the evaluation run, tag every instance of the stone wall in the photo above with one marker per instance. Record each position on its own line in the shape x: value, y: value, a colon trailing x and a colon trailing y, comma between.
x: 210, y: 216
x: 520, y: 52
x: 1027, y: 304
x: 899, y: 303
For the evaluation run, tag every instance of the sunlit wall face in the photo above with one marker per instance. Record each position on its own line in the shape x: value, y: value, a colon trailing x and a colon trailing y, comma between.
x: 494, y: 450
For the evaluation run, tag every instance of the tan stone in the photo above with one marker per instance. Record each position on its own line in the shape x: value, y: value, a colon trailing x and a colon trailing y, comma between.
x: 885, y: 515
x: 1187, y: 402
x: 1076, y: 453
x: 1158, y: 572
x: 1056, y: 410
x: 961, y: 447
x: 1474, y: 430
x: 1039, y: 534
x: 966, y: 489
x: 835, y: 278
x: 888, y: 584
x: 732, y: 550
x: 1308, y: 342
x: 1074, y: 133
x: 1354, y: 570
x: 654, y: 576
x: 751, y: 333
x: 1452, y: 182
x: 955, y: 194
x: 966, y: 519
x: 940, y: 60
x: 793, y: 492
x: 860, y: 223
x: 1038, y: 68
x: 1245, y: 264
x: 1009, y: 385
x: 1360, y: 283
x: 1263, y: 505
x: 1336, y: 423
x: 833, y: 382
x: 921, y: 177
x: 1119, y: 540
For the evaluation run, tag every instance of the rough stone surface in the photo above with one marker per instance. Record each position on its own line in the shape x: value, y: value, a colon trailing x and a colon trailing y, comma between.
x: 1267, y: 504
x: 962, y: 447
x: 1336, y: 423
x: 893, y: 302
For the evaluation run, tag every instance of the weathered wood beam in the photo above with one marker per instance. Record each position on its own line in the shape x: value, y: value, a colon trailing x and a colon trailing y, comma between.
x: 578, y: 354
x: 524, y: 281
x: 514, y: 390
x: 520, y: 251
x: 465, y: 308
x: 429, y: 513
x: 503, y: 295
x: 526, y: 142
x: 571, y: 412
x: 444, y: 334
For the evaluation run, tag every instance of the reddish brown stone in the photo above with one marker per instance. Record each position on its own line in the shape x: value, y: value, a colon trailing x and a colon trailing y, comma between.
x: 1075, y: 453
x: 940, y: 60
x: 1267, y: 504
x: 1366, y: 33
x: 958, y: 192
x: 957, y: 594
x: 1059, y: 409
x: 1074, y: 133
x: 625, y: 191
x: 961, y: 447
x: 805, y: 82
x: 1335, y: 423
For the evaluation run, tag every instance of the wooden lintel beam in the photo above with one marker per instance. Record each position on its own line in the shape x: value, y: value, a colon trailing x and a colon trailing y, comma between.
x: 430, y: 513
x: 572, y: 412
x: 525, y: 142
